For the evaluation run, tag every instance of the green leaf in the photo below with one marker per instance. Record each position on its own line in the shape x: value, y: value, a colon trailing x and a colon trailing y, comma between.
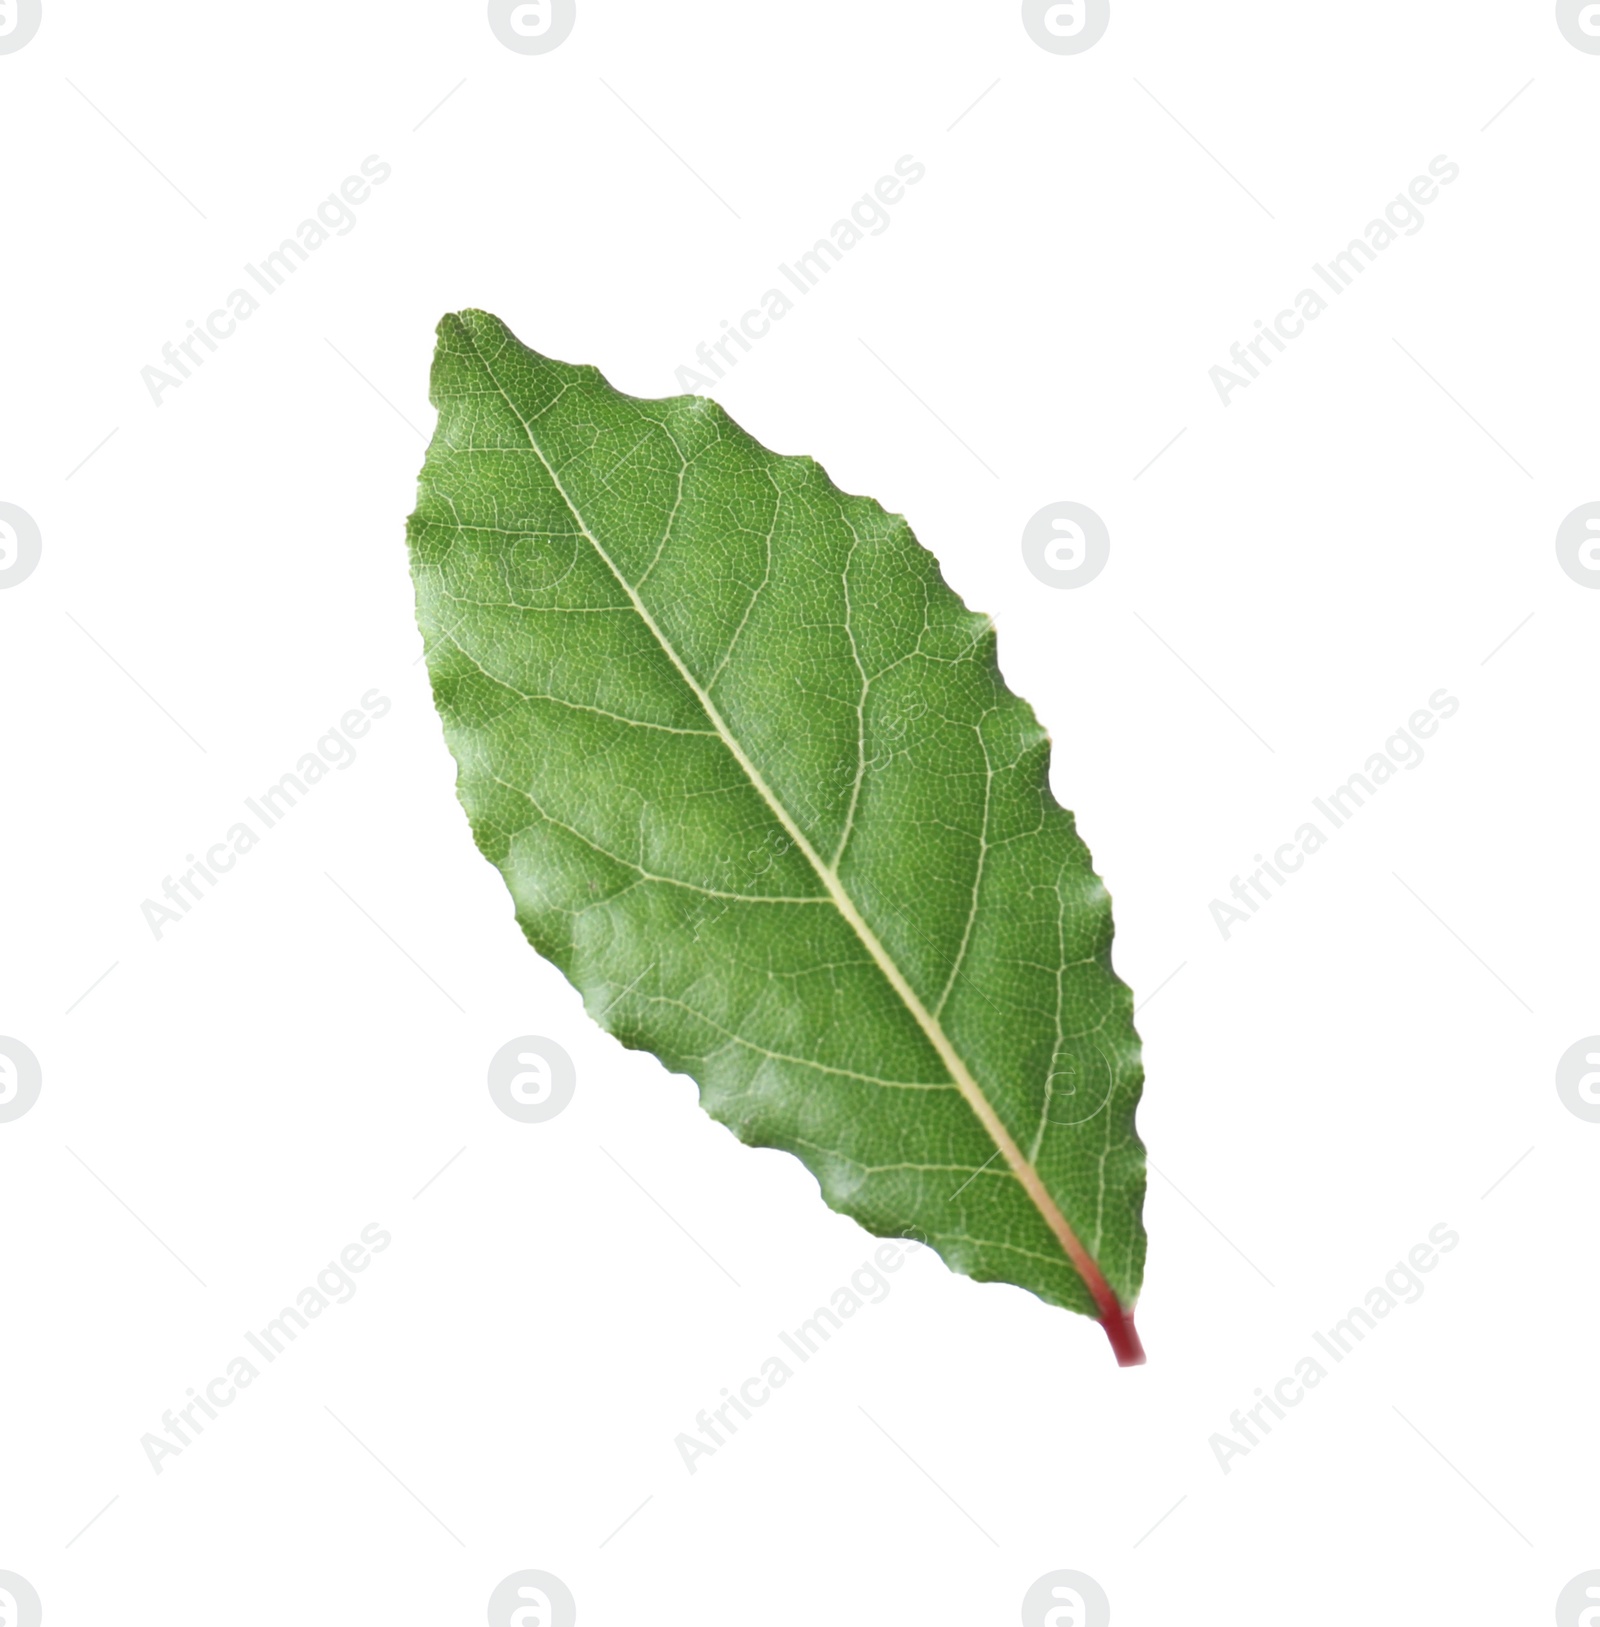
x: 752, y: 776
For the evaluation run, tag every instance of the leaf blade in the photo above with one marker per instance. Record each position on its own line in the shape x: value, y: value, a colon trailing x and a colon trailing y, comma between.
x: 757, y: 787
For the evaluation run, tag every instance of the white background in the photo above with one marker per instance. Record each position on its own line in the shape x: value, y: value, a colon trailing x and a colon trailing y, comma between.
x: 225, y: 575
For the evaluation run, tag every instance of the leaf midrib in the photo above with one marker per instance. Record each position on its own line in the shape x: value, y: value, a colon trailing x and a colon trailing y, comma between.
x: 961, y: 1076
